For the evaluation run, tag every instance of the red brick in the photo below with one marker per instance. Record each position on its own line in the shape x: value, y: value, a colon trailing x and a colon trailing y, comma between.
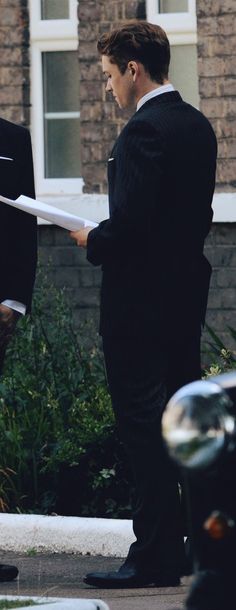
x: 211, y: 46
x: 10, y: 57
x: 9, y: 3
x: 14, y: 114
x: 91, y: 91
x: 89, y: 11
x: 92, y: 111
x: 88, y: 51
x: 11, y: 76
x: 226, y: 171
x: 90, y: 71
x: 88, y: 32
x: 216, y: 66
x: 11, y: 95
x: 218, y: 107
x: 10, y: 36
x: 227, y: 148
x: 10, y: 17
x: 215, y: 7
x: 131, y: 9
x: 217, y: 87
x: 224, y: 128
x: 93, y: 153
x: 91, y: 132
x: 214, y: 26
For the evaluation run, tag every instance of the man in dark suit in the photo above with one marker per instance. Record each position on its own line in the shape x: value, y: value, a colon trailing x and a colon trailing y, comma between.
x: 161, y: 176
x: 18, y: 243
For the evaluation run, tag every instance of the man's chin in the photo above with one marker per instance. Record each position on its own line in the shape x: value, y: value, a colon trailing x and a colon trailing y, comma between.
x: 125, y: 105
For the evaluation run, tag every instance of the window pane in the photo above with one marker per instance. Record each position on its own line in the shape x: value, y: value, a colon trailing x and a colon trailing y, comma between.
x: 61, y: 114
x: 173, y: 6
x: 54, y: 9
x: 183, y: 72
x: 61, y: 81
x: 62, y: 148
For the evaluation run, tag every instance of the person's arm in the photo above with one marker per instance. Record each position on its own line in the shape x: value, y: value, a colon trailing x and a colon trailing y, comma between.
x: 137, y: 172
x: 8, y: 320
x: 23, y: 227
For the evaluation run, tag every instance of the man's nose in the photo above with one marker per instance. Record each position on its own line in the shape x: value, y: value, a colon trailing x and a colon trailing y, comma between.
x: 108, y: 86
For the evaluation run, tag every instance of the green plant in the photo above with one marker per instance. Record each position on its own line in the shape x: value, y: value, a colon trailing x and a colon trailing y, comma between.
x: 6, y: 604
x: 221, y: 359
x: 56, y: 415
x: 31, y: 552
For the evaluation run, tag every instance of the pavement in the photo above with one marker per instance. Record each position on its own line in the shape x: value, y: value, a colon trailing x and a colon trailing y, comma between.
x: 61, y: 575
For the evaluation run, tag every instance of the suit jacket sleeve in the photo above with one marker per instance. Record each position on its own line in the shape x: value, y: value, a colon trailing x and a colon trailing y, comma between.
x: 22, y: 233
x: 133, y: 180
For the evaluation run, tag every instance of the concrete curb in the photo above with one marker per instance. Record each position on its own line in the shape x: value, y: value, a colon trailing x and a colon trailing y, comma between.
x: 56, y: 534
x: 58, y: 603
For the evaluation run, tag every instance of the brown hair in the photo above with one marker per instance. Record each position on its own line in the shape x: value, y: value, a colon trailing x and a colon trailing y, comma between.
x: 141, y: 41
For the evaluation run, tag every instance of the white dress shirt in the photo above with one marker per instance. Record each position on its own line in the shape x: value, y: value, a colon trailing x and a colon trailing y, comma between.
x: 154, y: 92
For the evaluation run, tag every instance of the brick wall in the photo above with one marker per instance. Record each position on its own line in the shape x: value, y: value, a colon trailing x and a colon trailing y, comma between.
x: 217, y: 80
x: 217, y: 84
x: 69, y: 268
x: 220, y: 251
x: 65, y: 265
x: 14, y: 61
x: 101, y: 119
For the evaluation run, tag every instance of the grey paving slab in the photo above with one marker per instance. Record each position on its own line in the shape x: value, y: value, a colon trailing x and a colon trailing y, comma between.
x: 61, y: 575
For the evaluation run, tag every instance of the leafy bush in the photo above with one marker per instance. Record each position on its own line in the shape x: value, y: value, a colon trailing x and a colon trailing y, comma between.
x: 56, y: 418
x: 222, y: 359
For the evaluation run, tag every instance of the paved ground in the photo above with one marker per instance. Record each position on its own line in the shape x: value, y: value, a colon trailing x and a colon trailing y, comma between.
x: 61, y: 575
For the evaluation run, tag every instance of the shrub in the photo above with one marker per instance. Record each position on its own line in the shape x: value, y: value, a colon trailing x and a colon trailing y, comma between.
x: 56, y: 418
x: 222, y: 359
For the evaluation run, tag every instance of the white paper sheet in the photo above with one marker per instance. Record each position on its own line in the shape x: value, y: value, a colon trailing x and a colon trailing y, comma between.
x: 49, y: 212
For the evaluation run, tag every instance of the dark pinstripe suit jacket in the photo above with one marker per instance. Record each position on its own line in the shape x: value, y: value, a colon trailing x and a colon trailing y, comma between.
x: 161, y: 179
x: 18, y: 230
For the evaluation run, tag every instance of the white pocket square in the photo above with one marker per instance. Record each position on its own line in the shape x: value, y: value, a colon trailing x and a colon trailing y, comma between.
x: 111, y: 159
x: 7, y: 158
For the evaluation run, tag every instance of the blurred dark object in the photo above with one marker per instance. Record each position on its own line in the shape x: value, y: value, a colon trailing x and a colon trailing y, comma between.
x: 199, y: 428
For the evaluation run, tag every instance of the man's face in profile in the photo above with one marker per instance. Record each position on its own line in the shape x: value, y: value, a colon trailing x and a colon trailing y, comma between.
x: 120, y: 85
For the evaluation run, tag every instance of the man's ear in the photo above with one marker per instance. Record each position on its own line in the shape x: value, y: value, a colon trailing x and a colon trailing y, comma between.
x: 133, y: 68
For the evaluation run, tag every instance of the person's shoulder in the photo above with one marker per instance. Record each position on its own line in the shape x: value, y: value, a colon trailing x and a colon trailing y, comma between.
x: 135, y: 128
x: 13, y: 128
x: 199, y: 116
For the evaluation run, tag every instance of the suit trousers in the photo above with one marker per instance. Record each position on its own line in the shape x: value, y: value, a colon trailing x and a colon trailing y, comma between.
x: 142, y: 374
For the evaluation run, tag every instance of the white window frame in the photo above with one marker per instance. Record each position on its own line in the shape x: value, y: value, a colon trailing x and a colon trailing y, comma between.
x: 48, y: 36
x: 180, y: 27
x: 61, y: 28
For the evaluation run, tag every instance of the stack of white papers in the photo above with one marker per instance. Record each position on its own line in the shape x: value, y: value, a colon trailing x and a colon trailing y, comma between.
x: 49, y: 212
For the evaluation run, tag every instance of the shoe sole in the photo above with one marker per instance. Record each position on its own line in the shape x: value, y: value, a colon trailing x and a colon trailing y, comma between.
x: 132, y: 585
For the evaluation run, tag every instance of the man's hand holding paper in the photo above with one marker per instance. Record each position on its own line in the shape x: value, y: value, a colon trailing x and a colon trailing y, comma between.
x: 81, y: 236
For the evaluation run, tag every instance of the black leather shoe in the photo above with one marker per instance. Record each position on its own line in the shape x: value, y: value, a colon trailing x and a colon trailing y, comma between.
x: 7, y: 572
x: 127, y: 577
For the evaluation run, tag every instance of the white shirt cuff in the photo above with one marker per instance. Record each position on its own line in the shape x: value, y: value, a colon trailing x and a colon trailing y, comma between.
x: 20, y: 307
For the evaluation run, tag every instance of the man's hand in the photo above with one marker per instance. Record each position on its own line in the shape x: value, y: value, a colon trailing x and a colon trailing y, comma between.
x: 81, y: 236
x: 8, y: 319
x: 6, y: 313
